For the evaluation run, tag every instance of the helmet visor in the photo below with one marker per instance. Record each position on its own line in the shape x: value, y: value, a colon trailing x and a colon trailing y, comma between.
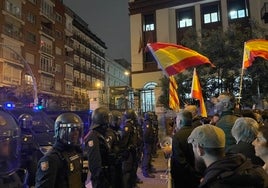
x: 71, y: 133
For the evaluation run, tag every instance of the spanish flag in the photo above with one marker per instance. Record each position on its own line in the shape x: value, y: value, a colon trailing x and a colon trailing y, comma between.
x: 174, y: 102
x: 254, y: 48
x: 174, y: 58
x: 196, y: 93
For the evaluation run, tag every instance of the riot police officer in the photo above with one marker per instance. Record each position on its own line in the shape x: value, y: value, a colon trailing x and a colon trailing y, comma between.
x: 113, y: 139
x: 30, y: 153
x: 62, y: 165
x: 10, y: 173
x: 129, y: 144
x: 98, y: 149
x: 148, y: 141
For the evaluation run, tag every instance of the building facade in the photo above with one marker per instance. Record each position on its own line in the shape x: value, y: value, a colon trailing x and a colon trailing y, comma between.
x: 167, y: 21
x: 47, y: 53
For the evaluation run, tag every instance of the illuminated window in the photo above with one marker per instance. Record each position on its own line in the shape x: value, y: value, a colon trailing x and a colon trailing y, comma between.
x: 211, y: 13
x: 185, y: 18
x: 237, y: 9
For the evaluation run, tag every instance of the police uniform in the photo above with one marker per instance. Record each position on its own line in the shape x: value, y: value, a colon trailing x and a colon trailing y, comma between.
x: 98, y: 159
x: 148, y: 141
x: 98, y: 149
x: 129, y: 143
x: 11, y: 174
x: 60, y: 167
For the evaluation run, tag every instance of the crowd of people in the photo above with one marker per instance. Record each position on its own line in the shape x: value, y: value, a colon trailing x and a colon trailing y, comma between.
x: 229, y: 149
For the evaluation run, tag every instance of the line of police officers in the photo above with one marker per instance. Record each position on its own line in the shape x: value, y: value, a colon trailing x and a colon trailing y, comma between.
x: 114, y: 147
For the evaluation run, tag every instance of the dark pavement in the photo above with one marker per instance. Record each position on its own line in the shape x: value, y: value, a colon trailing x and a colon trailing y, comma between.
x: 161, y: 175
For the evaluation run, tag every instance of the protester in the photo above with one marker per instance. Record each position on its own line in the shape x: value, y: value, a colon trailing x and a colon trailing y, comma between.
x: 62, y: 166
x: 245, y: 131
x: 261, y: 145
x: 214, y: 119
x: 197, y: 119
x: 182, y: 160
x: 225, y: 108
x: 223, y: 170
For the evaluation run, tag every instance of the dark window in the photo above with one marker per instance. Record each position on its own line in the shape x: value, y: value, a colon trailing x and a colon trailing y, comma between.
x: 31, y: 37
x: 149, y: 36
x: 237, y: 9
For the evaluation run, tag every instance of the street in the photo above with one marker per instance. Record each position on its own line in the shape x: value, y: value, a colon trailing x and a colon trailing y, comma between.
x: 160, y: 180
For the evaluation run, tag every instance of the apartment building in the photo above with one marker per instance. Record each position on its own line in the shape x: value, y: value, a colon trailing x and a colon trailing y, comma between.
x: 47, y: 53
x: 167, y: 21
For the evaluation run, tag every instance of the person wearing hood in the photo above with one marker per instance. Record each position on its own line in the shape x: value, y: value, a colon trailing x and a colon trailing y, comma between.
x: 232, y: 171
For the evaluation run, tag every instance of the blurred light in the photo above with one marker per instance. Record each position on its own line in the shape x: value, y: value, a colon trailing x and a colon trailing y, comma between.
x: 38, y: 107
x: 9, y: 105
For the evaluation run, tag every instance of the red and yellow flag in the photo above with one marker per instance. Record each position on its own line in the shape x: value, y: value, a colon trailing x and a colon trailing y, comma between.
x: 174, y: 102
x: 175, y: 58
x: 254, y: 48
x: 196, y: 93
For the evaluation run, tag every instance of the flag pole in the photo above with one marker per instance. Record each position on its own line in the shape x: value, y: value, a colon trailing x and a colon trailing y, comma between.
x: 242, y: 74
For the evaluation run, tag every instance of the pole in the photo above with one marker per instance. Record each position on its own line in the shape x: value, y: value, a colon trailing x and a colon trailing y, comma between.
x: 242, y: 74
x: 241, y: 84
x: 28, y: 69
x: 169, y: 173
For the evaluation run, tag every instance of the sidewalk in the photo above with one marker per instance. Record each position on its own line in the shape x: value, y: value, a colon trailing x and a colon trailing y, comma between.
x: 160, y: 180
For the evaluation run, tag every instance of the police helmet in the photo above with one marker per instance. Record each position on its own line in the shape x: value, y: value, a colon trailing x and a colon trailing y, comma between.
x: 69, y: 129
x: 130, y: 114
x: 115, y: 118
x: 10, y: 144
x: 148, y: 116
x: 100, y: 118
x: 25, y: 121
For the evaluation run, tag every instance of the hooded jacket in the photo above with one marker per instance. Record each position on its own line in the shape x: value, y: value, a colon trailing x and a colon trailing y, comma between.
x: 234, y: 171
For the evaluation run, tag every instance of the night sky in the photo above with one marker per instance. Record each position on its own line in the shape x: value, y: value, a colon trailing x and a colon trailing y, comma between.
x: 108, y: 20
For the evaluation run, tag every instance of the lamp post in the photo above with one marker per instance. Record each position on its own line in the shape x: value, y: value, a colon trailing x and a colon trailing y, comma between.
x: 26, y: 64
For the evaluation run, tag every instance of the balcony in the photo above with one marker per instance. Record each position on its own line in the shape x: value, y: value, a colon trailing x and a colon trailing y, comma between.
x: 46, y: 50
x: 12, y: 10
x: 48, y: 70
x: 12, y: 31
x: 47, y: 31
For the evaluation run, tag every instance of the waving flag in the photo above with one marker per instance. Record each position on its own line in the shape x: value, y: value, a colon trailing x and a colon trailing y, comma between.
x: 174, y: 102
x: 254, y: 48
x: 196, y: 93
x: 174, y: 59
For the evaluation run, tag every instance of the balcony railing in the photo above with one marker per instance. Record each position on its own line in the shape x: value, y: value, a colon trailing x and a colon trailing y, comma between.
x: 12, y: 9
x: 12, y: 31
